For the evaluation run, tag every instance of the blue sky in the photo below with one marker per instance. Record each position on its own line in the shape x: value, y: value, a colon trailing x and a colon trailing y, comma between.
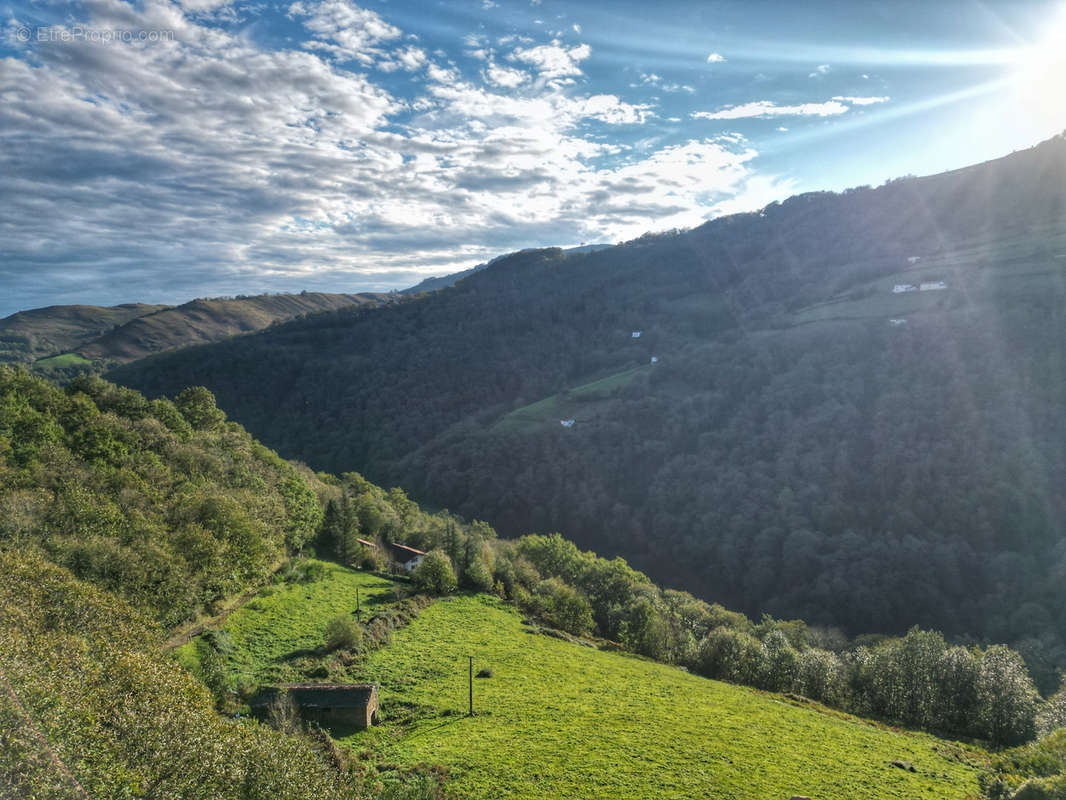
x: 159, y: 151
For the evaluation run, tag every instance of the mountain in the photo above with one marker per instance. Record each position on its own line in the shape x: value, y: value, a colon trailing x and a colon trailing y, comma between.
x: 208, y: 320
x: 40, y: 332
x: 69, y: 338
x: 814, y: 439
x: 443, y: 281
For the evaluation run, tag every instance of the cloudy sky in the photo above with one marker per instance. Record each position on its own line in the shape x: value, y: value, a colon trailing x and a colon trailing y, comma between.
x: 160, y: 151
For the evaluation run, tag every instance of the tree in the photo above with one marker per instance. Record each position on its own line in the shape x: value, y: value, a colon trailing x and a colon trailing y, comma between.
x: 1007, y: 699
x: 197, y: 405
x: 435, y: 574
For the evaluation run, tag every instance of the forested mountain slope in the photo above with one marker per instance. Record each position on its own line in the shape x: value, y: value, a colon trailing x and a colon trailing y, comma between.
x: 810, y: 441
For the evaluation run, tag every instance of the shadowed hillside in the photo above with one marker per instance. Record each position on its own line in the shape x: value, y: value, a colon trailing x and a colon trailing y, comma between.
x: 816, y: 439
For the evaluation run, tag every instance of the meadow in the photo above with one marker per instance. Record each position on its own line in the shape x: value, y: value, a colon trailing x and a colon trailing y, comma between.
x: 289, y: 619
x: 557, y: 719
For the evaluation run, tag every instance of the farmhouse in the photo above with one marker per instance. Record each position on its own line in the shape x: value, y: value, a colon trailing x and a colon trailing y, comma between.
x: 406, y: 557
x: 933, y: 286
x: 566, y: 423
x: 899, y: 288
x: 897, y: 322
x: 329, y: 703
x: 636, y: 334
x: 913, y: 259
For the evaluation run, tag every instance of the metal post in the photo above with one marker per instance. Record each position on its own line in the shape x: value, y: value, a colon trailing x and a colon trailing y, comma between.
x: 470, y: 680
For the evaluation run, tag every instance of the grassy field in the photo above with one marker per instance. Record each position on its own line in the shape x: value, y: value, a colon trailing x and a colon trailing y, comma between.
x: 287, y: 620
x: 63, y: 361
x: 577, y: 403
x: 560, y: 720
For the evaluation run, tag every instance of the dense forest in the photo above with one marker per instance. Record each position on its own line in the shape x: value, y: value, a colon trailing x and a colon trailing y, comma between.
x: 791, y: 452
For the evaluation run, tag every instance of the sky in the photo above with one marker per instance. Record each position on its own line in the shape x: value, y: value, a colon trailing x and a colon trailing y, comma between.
x: 159, y: 151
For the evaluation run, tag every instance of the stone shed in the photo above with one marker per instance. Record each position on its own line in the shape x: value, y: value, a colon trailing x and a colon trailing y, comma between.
x: 328, y: 703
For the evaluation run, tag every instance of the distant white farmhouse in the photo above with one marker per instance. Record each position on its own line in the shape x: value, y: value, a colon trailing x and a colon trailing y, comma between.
x: 404, y: 556
x: 897, y: 322
x: 899, y: 288
x: 566, y: 423
x: 933, y: 286
x: 636, y: 334
x: 913, y: 259
x: 654, y: 359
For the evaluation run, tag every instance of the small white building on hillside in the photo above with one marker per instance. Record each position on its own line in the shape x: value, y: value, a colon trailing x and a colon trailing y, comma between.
x: 566, y: 423
x: 933, y: 286
x: 899, y: 288
x: 636, y: 334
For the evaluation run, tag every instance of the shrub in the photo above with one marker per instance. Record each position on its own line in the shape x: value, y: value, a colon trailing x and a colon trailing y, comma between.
x: 343, y: 633
x: 435, y: 574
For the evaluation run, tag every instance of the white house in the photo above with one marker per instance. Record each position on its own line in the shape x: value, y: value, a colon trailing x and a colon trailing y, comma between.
x: 933, y: 286
x: 406, y: 557
x: 636, y: 334
x: 897, y: 322
x: 899, y: 288
x: 913, y: 259
x: 566, y: 423
x: 654, y: 359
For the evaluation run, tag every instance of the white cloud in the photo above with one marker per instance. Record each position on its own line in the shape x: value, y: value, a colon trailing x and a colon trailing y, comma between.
x: 409, y: 59
x: 651, y: 79
x: 344, y: 29
x: 505, y: 76
x: 862, y: 101
x: 553, y: 60
x: 715, y: 58
x: 765, y: 109
x: 820, y: 70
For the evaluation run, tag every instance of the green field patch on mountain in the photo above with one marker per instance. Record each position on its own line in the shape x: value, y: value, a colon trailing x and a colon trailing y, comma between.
x: 287, y: 620
x: 557, y: 719
x: 575, y: 403
x: 63, y: 361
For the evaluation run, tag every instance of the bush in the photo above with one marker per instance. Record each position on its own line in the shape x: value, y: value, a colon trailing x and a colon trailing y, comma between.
x: 343, y: 633
x: 730, y: 655
x: 435, y: 574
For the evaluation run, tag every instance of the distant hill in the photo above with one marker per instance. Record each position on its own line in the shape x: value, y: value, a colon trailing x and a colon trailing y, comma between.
x: 208, y: 320
x: 810, y: 442
x: 40, y: 332
x: 443, y: 281
x: 61, y: 338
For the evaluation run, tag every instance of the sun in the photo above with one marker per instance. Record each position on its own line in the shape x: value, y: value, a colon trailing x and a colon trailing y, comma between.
x: 1039, y: 78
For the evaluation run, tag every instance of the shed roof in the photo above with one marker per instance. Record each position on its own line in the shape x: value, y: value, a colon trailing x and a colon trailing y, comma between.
x: 319, y: 695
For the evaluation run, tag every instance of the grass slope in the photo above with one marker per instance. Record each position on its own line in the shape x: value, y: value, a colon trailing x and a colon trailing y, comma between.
x: 289, y: 620
x: 577, y: 403
x: 561, y: 720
